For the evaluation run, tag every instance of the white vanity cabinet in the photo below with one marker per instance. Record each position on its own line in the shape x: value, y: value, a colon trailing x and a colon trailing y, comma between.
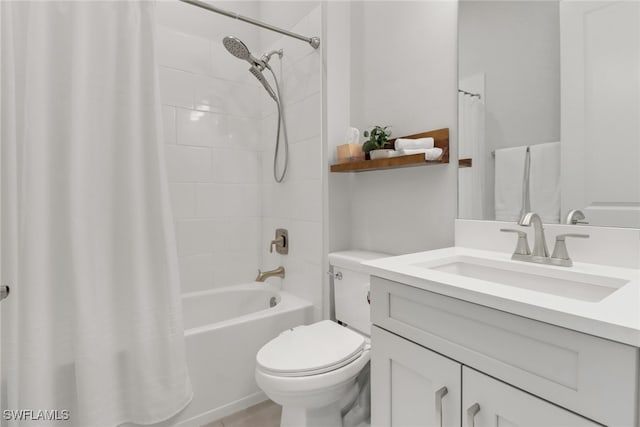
x: 412, y: 386
x: 519, y: 372
x: 487, y: 402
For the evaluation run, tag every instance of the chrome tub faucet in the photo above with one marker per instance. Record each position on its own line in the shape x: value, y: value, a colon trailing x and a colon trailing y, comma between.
x: 264, y: 275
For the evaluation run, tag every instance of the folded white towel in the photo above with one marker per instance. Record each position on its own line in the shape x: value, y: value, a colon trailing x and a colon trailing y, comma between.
x: 545, y: 181
x: 509, y: 176
x: 429, y: 153
x: 412, y: 144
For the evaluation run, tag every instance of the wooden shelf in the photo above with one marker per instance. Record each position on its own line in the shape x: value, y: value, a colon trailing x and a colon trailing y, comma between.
x: 465, y: 163
x: 441, y: 140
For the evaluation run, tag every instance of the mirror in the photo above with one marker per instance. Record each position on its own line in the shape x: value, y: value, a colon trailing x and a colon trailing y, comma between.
x: 549, y: 111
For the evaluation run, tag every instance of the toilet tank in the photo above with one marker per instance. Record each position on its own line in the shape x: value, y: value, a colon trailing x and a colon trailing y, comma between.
x: 351, y: 288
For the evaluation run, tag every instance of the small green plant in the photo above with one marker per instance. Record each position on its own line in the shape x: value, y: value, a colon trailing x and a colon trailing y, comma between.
x: 378, y: 137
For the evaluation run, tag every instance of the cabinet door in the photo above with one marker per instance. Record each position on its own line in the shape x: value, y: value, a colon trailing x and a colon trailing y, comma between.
x: 412, y: 386
x: 489, y: 402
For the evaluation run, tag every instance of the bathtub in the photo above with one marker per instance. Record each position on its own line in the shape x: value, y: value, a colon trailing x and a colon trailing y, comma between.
x: 224, y: 329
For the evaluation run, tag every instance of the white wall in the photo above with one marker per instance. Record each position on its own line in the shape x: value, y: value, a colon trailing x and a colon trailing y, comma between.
x: 211, y: 124
x: 296, y: 203
x: 403, y: 74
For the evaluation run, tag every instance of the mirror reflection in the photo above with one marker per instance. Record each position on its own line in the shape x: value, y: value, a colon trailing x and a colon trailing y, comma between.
x: 549, y: 107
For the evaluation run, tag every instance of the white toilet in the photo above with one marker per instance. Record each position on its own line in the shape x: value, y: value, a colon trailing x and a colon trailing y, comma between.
x: 313, y: 370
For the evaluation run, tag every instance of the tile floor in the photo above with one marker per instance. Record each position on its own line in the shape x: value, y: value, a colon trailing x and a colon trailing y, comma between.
x: 265, y: 414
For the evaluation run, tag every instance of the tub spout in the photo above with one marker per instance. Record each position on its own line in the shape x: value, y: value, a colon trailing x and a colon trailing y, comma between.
x: 264, y: 275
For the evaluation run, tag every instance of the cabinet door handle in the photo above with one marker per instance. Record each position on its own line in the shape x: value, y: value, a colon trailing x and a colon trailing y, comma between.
x: 440, y: 393
x: 471, y: 414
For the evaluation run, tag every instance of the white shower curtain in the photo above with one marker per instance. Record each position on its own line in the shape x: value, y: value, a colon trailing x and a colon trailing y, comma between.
x: 93, y: 324
x: 472, y: 188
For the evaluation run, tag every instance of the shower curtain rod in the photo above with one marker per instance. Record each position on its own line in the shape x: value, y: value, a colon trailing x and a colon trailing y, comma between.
x: 313, y: 41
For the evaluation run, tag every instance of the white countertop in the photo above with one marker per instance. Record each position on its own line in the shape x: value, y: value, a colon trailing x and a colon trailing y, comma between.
x: 616, y: 317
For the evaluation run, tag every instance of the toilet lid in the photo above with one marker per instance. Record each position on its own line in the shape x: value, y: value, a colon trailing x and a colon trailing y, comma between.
x: 310, y: 350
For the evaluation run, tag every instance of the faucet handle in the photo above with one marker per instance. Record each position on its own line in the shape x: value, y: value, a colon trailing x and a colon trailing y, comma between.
x: 576, y: 216
x: 560, y: 255
x: 522, y: 247
x: 281, y: 242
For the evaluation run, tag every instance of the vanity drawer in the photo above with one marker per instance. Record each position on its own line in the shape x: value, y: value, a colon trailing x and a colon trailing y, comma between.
x: 591, y: 376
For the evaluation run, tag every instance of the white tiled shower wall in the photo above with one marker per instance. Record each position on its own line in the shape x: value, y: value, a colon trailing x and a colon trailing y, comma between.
x: 211, y: 117
x: 220, y: 130
x: 296, y: 204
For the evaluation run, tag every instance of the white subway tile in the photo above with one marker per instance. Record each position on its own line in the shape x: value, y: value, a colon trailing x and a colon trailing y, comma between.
x: 278, y: 199
x: 305, y: 160
x: 301, y: 79
x: 224, y: 96
x: 210, y: 94
x: 197, y: 272
x: 304, y: 118
x: 184, y: 51
x: 237, y: 234
x: 200, y: 236
x: 313, y: 21
x: 176, y: 87
x: 236, y: 267
x: 305, y: 281
x: 306, y: 241
x: 183, y: 201
x: 199, y: 128
x: 169, y: 124
x: 228, y: 200
x: 236, y: 166
x: 210, y: 200
x: 243, y: 132
x: 195, y: 237
x: 268, y: 128
x: 218, y: 269
x: 307, y: 200
x: 188, y: 164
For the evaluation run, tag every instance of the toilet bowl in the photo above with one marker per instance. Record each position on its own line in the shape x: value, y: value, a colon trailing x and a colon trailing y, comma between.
x: 315, y: 371
x: 319, y: 383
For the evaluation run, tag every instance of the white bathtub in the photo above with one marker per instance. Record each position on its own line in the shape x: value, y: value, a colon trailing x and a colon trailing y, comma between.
x: 224, y: 329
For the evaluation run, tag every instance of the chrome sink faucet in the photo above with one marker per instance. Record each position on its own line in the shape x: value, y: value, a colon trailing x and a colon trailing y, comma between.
x: 540, y: 252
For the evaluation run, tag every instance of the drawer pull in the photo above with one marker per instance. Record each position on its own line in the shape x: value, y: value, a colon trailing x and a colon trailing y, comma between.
x: 442, y: 392
x: 471, y: 414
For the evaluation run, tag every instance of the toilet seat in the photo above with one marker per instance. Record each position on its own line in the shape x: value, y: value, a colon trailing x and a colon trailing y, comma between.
x: 310, y: 350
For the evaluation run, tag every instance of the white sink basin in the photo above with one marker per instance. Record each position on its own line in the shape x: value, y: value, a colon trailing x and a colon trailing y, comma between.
x: 561, y: 282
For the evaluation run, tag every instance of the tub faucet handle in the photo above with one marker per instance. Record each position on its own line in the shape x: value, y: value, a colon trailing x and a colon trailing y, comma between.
x: 275, y: 243
x: 281, y: 242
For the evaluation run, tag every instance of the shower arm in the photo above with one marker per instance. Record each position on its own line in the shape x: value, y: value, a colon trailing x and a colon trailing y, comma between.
x: 313, y: 41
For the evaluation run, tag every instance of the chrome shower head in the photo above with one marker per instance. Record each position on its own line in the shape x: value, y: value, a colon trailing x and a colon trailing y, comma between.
x: 237, y: 48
